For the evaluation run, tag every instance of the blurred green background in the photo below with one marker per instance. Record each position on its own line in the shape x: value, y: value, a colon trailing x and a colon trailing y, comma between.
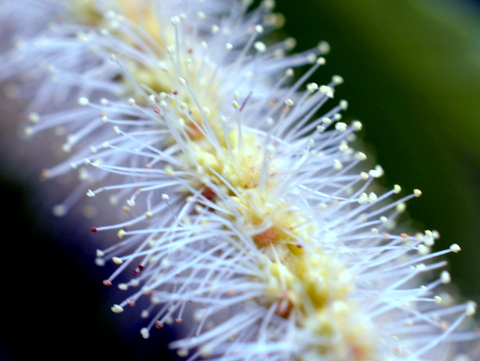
x: 412, y: 76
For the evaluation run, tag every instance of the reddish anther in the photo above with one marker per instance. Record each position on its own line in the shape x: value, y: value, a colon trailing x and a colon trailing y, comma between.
x: 107, y: 283
x: 358, y: 353
x: 209, y: 194
x: 266, y: 237
x: 45, y: 174
x: 284, y: 306
x: 139, y: 268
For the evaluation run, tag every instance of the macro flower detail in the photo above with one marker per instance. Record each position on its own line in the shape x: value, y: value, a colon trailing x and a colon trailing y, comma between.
x: 242, y: 209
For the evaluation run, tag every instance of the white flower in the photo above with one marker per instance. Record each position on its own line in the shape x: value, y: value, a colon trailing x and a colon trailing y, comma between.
x: 290, y: 242
x: 80, y: 64
x: 242, y: 204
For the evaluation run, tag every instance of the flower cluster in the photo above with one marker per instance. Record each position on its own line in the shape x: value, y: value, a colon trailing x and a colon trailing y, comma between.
x: 242, y: 207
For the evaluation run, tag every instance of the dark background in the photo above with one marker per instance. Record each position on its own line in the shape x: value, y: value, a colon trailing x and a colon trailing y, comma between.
x: 412, y: 76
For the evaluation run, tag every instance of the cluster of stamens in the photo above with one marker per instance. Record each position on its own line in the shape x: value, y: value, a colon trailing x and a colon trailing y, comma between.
x: 236, y: 196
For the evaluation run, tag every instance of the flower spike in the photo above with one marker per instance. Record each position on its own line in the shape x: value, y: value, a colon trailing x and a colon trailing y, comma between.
x: 236, y: 203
